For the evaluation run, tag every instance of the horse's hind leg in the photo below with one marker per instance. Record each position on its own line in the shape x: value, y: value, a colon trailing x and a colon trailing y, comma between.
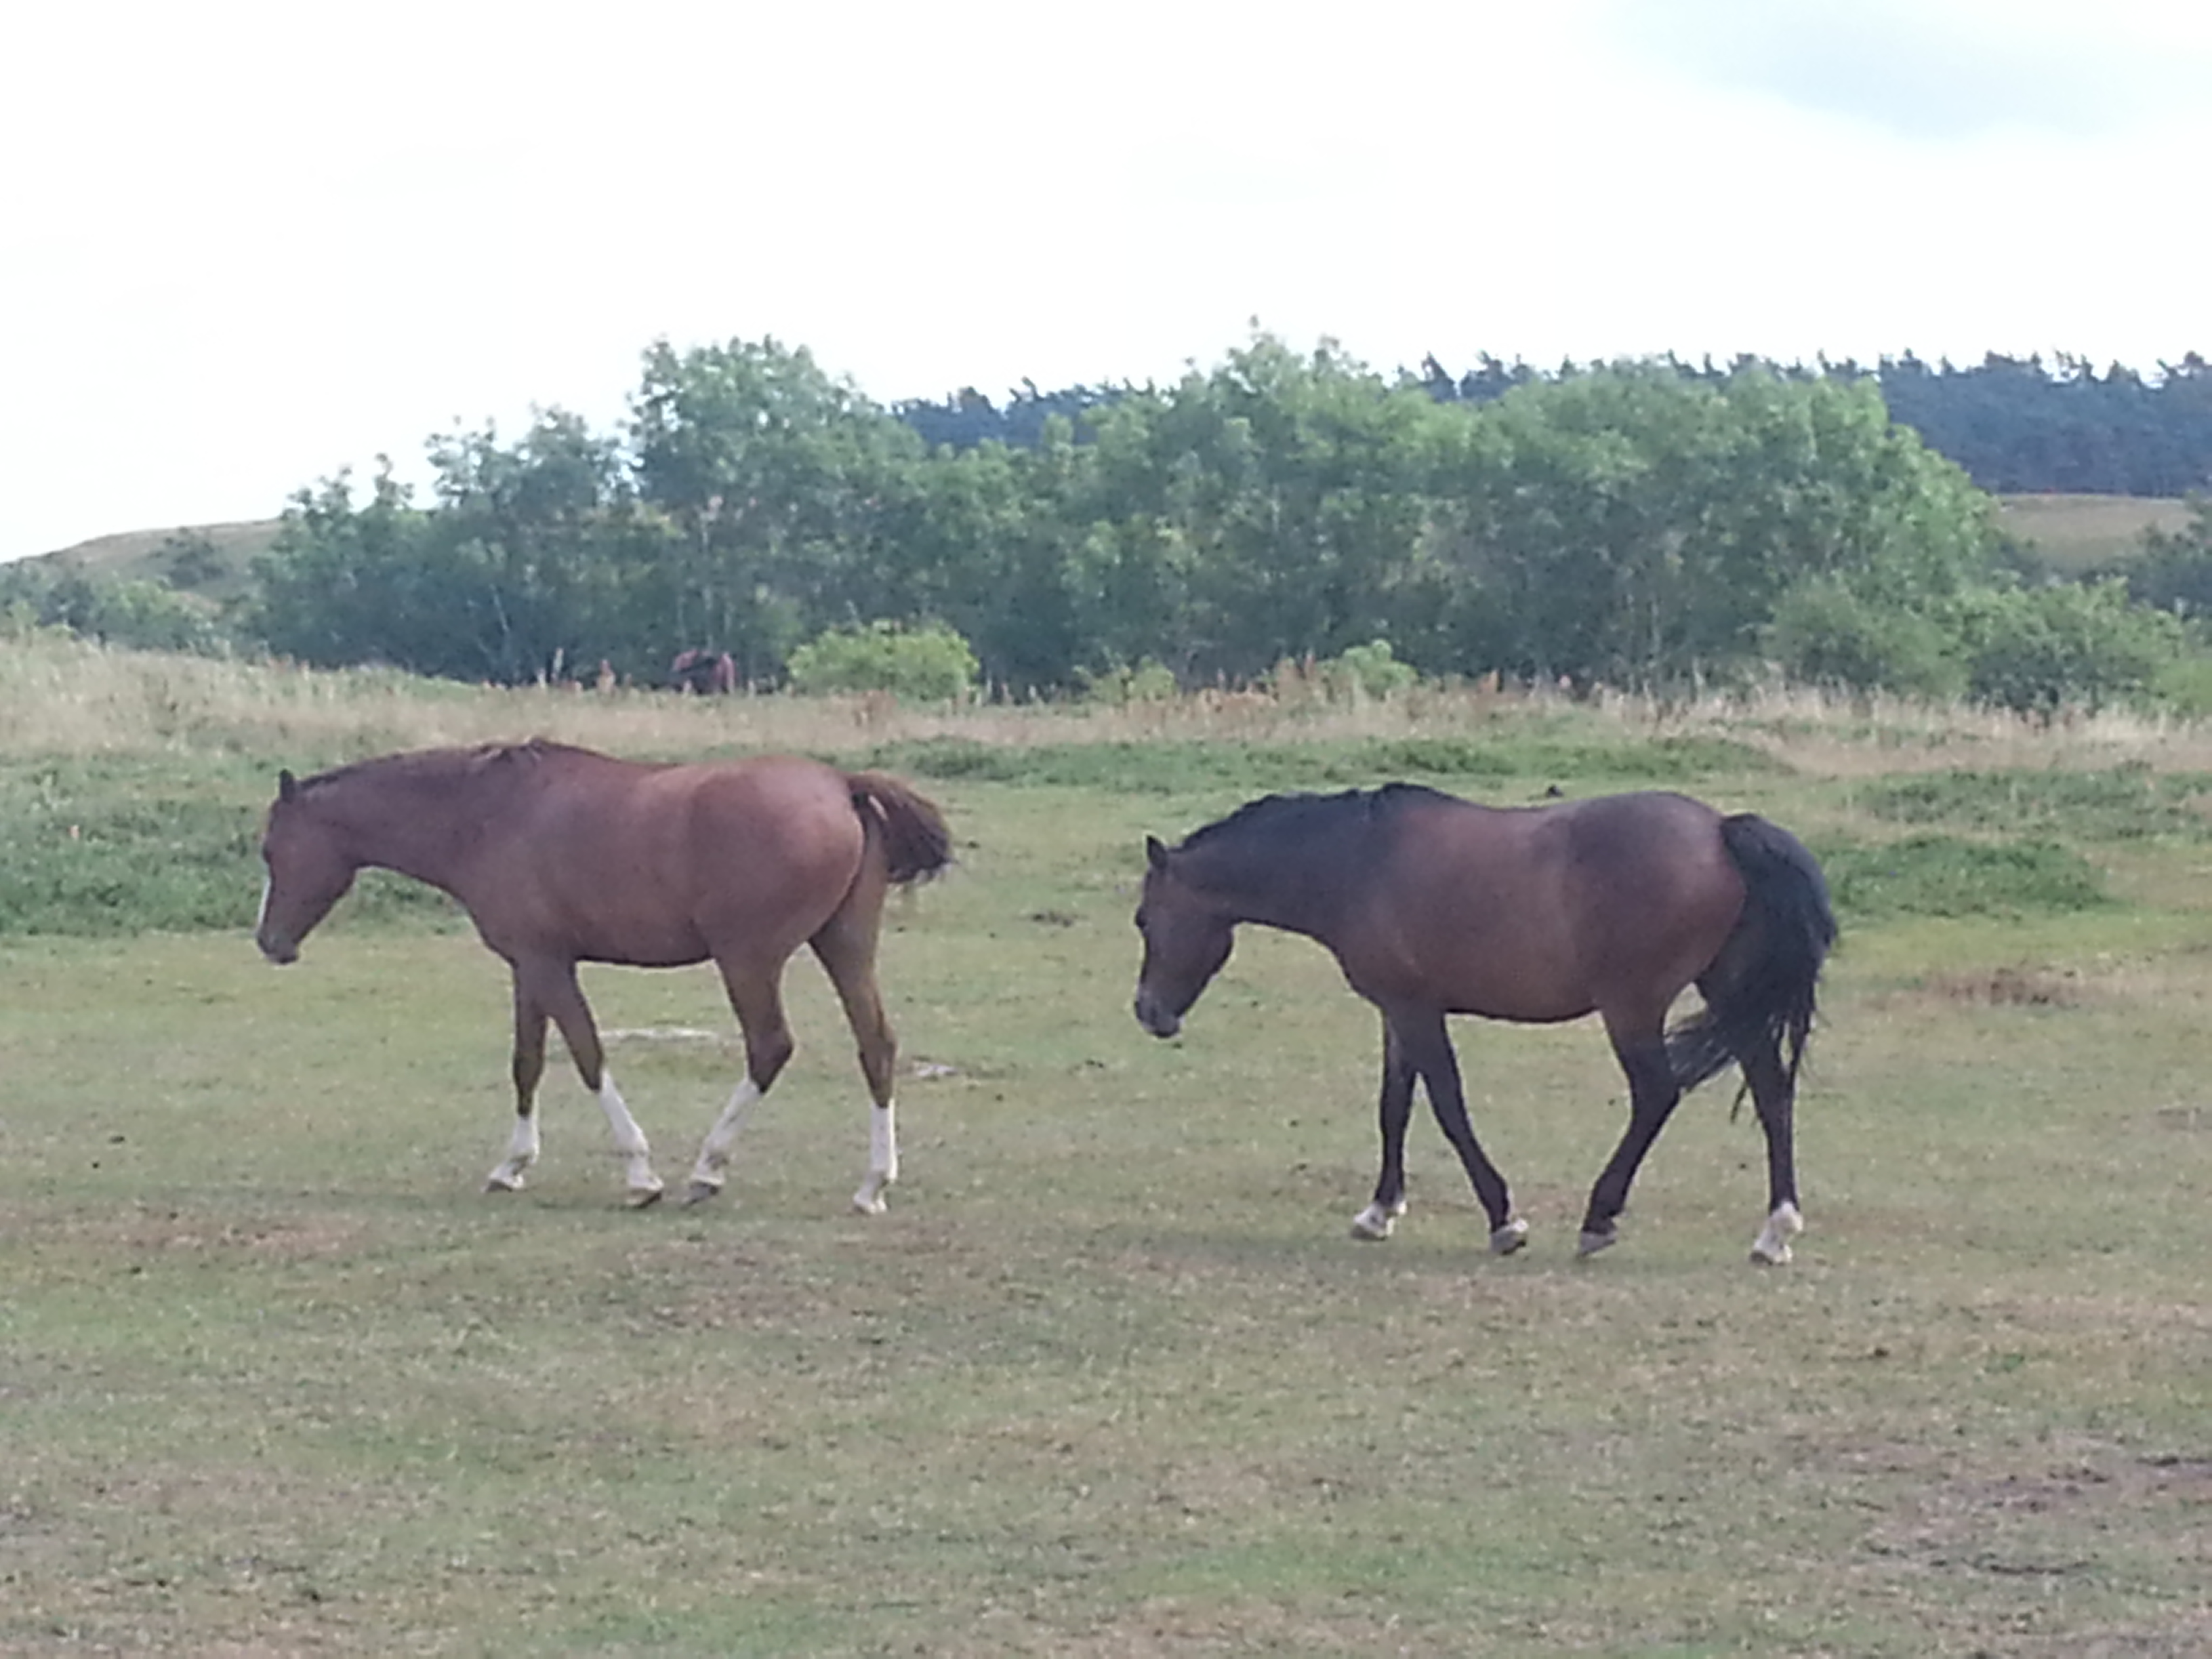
x: 1396, y: 1106
x: 846, y: 949
x: 1653, y: 1094
x: 1774, y: 1099
x: 554, y: 985
x: 1427, y: 1050
x: 756, y: 998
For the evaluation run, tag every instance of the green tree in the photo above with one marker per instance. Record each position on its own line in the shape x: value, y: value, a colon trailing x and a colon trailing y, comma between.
x: 776, y: 479
x: 345, y: 584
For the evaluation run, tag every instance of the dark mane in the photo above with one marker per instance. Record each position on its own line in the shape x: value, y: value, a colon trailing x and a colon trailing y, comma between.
x: 1303, y: 818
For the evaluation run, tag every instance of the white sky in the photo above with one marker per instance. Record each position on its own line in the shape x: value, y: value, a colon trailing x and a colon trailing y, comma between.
x: 245, y: 245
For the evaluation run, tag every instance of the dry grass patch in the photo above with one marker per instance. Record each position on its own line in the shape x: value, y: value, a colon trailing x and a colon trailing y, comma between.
x: 60, y: 697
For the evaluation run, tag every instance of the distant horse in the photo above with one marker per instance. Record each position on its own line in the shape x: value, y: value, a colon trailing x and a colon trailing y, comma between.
x: 1436, y: 906
x: 561, y: 855
x: 704, y: 672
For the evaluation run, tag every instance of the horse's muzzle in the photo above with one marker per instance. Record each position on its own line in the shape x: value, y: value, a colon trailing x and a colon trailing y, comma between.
x: 1155, y: 1018
x: 283, y: 952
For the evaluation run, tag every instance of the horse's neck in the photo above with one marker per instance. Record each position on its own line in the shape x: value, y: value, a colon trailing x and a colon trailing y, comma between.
x: 1276, y: 888
x: 424, y: 826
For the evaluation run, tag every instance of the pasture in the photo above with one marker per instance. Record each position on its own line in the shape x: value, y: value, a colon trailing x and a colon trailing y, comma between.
x: 1110, y: 1376
x: 2088, y: 532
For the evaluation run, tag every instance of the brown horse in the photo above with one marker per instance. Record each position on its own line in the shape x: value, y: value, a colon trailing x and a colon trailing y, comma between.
x: 1435, y: 906
x: 561, y: 855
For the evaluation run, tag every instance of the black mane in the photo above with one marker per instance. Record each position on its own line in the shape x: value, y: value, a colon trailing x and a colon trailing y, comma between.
x: 1302, y: 819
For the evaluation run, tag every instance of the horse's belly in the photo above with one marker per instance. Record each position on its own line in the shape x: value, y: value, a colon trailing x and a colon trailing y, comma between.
x: 678, y: 945
x: 1526, y: 1010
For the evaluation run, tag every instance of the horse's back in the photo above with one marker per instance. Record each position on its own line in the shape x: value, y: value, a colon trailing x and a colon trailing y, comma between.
x: 624, y: 861
x: 1548, y: 912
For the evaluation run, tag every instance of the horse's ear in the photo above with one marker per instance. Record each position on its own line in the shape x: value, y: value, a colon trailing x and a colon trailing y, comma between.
x: 287, y: 786
x: 1156, y: 854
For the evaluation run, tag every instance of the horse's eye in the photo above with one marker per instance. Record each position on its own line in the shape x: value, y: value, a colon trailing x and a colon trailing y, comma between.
x: 1140, y: 919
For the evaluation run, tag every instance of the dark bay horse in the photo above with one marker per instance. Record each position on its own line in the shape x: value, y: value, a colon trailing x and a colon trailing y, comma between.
x: 1435, y: 906
x: 561, y: 855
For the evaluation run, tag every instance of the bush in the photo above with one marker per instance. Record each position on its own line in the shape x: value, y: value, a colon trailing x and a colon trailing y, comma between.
x: 1371, y: 671
x: 930, y: 664
x: 1824, y: 634
x: 2036, y: 650
x: 1148, y: 682
x: 145, y: 616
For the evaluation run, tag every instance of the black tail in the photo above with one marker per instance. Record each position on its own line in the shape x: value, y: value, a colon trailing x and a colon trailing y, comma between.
x: 1768, y: 998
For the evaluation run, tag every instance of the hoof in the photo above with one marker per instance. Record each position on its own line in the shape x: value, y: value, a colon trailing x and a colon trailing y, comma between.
x: 701, y: 1192
x: 1506, y: 1240
x: 496, y: 1182
x: 868, y: 1203
x: 1772, y: 1248
x: 644, y: 1197
x: 1375, y: 1223
x: 1590, y: 1244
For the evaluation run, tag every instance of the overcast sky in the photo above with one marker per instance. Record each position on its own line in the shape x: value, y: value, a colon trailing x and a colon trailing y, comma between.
x: 243, y: 245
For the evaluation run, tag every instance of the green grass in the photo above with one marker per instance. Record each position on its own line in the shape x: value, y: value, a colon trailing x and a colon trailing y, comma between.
x: 1518, y: 752
x: 121, y: 844
x: 1944, y: 876
x: 1110, y: 1378
x: 2124, y: 804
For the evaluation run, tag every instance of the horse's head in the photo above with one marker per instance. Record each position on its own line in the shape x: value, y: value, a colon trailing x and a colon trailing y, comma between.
x: 308, y: 870
x: 1187, y: 938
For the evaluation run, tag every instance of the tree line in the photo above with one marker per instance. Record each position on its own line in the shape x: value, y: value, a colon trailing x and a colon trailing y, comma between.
x: 2017, y: 425
x: 1637, y: 524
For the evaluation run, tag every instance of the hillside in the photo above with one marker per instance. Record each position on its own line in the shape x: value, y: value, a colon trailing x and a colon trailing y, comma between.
x: 149, y: 555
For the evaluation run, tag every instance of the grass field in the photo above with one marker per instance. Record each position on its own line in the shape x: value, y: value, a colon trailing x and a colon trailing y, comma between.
x: 1110, y: 1378
x: 2074, y: 533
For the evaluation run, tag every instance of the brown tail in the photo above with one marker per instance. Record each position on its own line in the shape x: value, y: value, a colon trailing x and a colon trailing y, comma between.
x: 916, y: 844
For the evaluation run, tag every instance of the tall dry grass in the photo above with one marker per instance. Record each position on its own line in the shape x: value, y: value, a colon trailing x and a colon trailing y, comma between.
x: 62, y: 696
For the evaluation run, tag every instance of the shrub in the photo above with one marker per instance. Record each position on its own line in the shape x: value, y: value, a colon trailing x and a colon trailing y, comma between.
x: 1372, y: 669
x: 2035, y: 650
x: 1825, y: 634
x: 1149, y: 681
x: 114, y: 611
x: 929, y: 664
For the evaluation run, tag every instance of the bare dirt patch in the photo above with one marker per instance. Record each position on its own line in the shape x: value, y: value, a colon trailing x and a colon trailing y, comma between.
x: 2014, y: 986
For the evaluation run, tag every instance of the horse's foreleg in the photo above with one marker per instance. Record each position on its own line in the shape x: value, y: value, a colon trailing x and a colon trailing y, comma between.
x: 758, y: 1004
x: 846, y: 949
x: 1427, y: 1048
x: 508, y: 1176
x: 1396, y: 1106
x: 565, y: 1000
x: 1653, y: 1094
x: 1773, y: 1098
